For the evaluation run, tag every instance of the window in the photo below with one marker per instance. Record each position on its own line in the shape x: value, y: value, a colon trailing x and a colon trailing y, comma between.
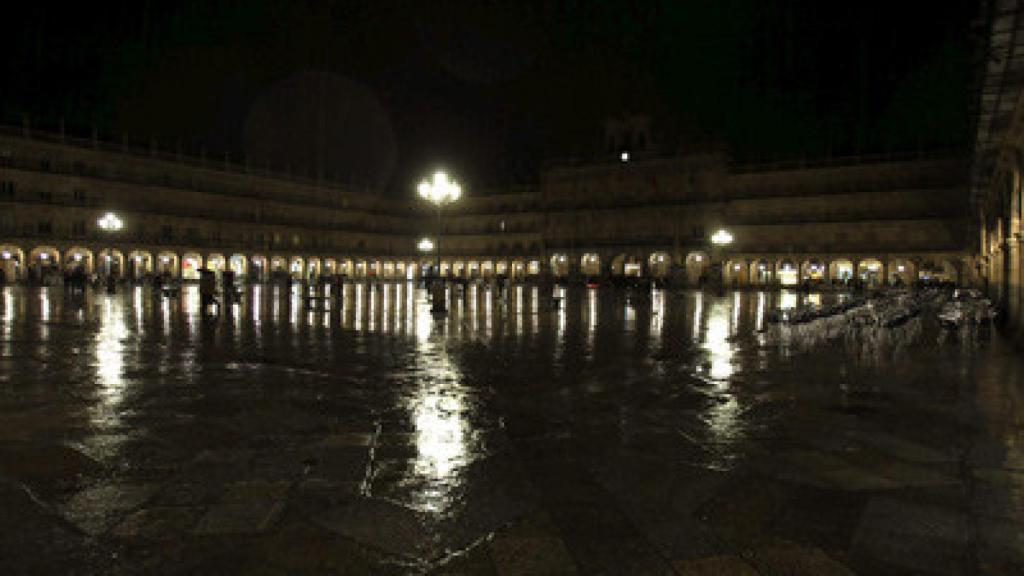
x: 44, y: 228
x: 79, y: 196
x: 78, y: 228
x: 296, y: 240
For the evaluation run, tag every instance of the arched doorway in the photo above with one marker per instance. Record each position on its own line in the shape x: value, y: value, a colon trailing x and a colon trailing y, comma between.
x: 238, y: 264
x: 313, y: 268
x: 590, y: 265
x: 191, y: 263
x: 140, y: 264
x: 762, y: 273
x: 660, y: 264
x: 167, y: 264
x: 296, y: 268
x: 473, y: 269
x: 111, y: 263
x: 841, y: 270
x: 216, y: 263
x: 870, y: 272
x: 813, y: 271
x: 44, y: 263
x: 697, y: 264
x: 278, y: 267
x: 901, y: 272
x: 734, y: 273
x: 787, y: 273
x: 330, y: 266
x: 533, y: 268
x: 518, y: 271
x: 559, y: 265
x: 79, y: 258
x: 12, y: 263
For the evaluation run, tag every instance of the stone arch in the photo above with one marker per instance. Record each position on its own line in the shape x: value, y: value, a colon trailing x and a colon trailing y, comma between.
x: 533, y: 267
x: 167, y: 264
x: 79, y: 258
x: 517, y: 269
x: 140, y: 264
x: 762, y: 272
x: 901, y: 271
x: 110, y: 262
x: 871, y: 271
x: 278, y: 266
x: 787, y: 273
x: 216, y: 263
x: 735, y: 273
x: 841, y: 269
x: 473, y: 269
x: 659, y: 264
x: 813, y: 270
x: 346, y: 267
x: 330, y: 266
x: 696, y: 266
x: 191, y: 263
x: 239, y: 264
x: 590, y: 264
x: 487, y: 268
x: 313, y: 268
x: 559, y: 265
x: 297, y: 267
x: 12, y: 262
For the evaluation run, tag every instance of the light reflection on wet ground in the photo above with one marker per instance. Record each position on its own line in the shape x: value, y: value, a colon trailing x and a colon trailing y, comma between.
x: 600, y: 432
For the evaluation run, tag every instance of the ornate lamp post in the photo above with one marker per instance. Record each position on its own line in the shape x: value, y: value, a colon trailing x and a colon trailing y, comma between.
x: 109, y: 223
x: 440, y: 191
x: 719, y: 241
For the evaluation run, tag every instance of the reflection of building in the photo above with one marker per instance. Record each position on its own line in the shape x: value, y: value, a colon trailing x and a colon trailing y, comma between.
x: 879, y: 219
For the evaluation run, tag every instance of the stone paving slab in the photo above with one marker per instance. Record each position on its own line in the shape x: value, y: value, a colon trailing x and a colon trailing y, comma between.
x: 382, y: 525
x: 94, y: 509
x: 714, y: 566
x: 529, y: 556
x: 925, y: 538
x: 245, y: 508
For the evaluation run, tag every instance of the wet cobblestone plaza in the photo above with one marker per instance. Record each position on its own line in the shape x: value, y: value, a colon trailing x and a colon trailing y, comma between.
x: 675, y: 433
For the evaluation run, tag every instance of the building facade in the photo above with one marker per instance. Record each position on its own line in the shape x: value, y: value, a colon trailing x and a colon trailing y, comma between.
x: 880, y: 219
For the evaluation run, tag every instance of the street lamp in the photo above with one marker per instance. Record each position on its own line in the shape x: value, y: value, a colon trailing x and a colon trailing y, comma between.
x: 110, y: 222
x: 425, y: 245
x: 440, y: 190
x: 721, y: 238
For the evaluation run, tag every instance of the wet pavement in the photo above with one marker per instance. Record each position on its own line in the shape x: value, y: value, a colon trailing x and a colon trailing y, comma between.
x: 675, y: 433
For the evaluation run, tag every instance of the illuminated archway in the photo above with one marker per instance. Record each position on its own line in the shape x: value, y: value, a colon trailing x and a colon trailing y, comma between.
x: 841, y: 269
x: 313, y: 268
x: 216, y: 263
x: 446, y: 268
x: 346, y: 267
x: 660, y: 264
x: 191, y: 263
x: 259, y: 268
x: 735, y: 273
x: 330, y: 266
x: 517, y: 270
x: 12, y: 262
x: 110, y: 263
x: 473, y: 269
x: 278, y: 267
x: 559, y: 265
x: 140, y: 264
x: 458, y: 269
x: 296, y: 268
x: 238, y: 265
x: 590, y: 264
x: 533, y: 268
x: 79, y: 258
x: 487, y: 268
x: 814, y: 271
x: 787, y: 273
x: 167, y: 264
x: 871, y: 272
x: 762, y: 273
x: 697, y: 264
x: 901, y: 272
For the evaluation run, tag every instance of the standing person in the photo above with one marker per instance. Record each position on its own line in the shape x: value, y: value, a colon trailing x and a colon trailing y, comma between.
x: 207, y: 290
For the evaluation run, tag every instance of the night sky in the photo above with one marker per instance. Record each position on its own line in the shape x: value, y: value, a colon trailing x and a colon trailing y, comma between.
x: 380, y: 92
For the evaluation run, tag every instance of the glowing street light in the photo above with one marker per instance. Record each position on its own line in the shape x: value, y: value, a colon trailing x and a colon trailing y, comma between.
x: 110, y: 222
x: 425, y: 245
x: 721, y: 238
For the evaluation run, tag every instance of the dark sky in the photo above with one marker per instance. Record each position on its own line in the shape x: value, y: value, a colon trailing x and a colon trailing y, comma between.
x: 381, y: 92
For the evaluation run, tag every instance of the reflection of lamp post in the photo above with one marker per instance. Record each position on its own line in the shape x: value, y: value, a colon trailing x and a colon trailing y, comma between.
x: 719, y: 240
x: 440, y: 191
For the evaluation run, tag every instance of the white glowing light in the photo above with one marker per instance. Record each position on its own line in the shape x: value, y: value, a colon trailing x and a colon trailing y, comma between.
x: 440, y: 189
x: 5, y: 255
x: 77, y: 257
x: 901, y: 268
x: 624, y: 156
x: 699, y: 258
x: 425, y: 245
x: 721, y: 238
x: 736, y: 267
x: 110, y: 222
x: 44, y: 256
